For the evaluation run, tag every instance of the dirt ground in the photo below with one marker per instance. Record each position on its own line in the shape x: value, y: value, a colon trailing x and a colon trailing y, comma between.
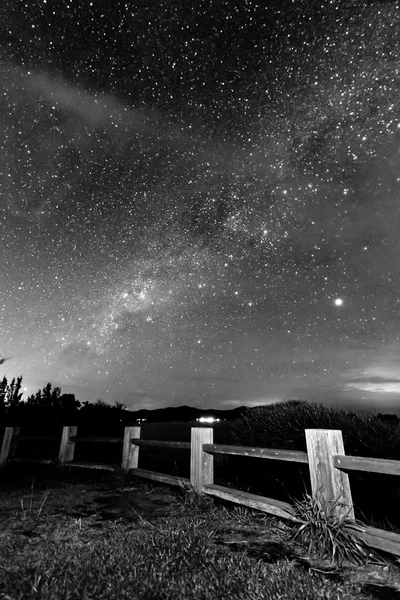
x: 84, y: 495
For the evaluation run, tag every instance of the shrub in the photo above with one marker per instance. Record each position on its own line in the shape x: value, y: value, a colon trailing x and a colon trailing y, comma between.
x: 326, y: 536
x: 282, y: 426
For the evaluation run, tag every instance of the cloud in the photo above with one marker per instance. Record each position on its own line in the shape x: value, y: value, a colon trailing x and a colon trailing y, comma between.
x: 61, y: 127
x: 95, y: 109
x: 375, y: 386
x: 376, y: 379
x: 229, y: 403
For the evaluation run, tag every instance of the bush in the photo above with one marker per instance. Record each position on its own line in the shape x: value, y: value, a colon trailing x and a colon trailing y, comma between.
x: 282, y: 426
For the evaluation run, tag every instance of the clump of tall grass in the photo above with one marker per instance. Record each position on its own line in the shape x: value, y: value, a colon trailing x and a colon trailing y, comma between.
x: 326, y: 535
x: 199, y: 502
x: 30, y: 506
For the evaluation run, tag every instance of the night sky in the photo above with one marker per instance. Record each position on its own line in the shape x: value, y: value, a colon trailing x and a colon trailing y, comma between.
x: 199, y: 200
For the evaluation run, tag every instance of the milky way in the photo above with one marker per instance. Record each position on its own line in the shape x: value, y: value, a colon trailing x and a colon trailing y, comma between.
x: 200, y: 201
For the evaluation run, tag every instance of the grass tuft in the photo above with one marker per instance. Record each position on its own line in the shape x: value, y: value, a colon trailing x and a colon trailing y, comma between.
x: 31, y: 507
x: 195, y: 500
x: 325, y: 535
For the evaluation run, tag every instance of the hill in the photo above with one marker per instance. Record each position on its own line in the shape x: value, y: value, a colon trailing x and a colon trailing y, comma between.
x: 183, y: 413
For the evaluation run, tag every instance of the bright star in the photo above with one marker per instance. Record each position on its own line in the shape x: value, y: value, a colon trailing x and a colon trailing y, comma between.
x: 338, y: 302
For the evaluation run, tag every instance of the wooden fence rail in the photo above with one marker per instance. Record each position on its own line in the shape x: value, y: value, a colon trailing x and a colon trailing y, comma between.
x: 328, y: 466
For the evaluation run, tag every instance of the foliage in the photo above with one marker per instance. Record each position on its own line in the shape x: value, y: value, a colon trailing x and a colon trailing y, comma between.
x: 29, y: 506
x: 200, y: 502
x: 10, y: 393
x: 282, y: 426
x: 48, y: 408
x: 325, y: 535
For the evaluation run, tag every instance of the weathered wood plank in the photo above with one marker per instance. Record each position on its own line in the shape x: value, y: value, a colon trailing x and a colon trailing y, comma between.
x: 96, y: 439
x: 268, y: 505
x: 161, y: 444
x: 89, y: 465
x: 130, y: 452
x: 326, y: 481
x: 161, y: 477
x: 34, y: 461
x: 45, y: 438
x: 377, y: 538
x: 9, y: 444
x: 372, y: 465
x: 201, y: 463
x: 67, y: 446
x: 287, y: 455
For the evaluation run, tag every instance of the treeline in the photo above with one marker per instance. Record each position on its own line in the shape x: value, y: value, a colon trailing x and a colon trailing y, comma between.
x: 48, y: 408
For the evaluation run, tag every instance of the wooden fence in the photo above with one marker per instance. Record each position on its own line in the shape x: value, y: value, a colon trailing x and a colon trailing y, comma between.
x: 328, y: 466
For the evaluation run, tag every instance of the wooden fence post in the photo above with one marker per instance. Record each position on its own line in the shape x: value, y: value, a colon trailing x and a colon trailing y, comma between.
x: 326, y: 480
x: 67, y: 446
x: 201, y: 463
x: 130, y: 452
x: 9, y: 444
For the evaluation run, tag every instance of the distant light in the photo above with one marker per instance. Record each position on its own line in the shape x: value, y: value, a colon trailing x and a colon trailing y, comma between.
x: 207, y: 419
x: 338, y: 302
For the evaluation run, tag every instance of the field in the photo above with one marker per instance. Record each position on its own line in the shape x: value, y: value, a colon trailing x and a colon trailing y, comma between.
x: 87, y: 536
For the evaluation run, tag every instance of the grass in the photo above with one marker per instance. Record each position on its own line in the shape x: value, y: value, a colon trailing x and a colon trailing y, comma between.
x: 200, y: 549
x: 325, y: 535
x: 27, y: 503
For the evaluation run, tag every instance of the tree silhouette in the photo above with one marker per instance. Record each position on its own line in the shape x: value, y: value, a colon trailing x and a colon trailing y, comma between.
x: 10, y: 399
x: 3, y: 391
x: 14, y: 397
x: 48, y: 408
x: 10, y: 394
x: 46, y: 398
